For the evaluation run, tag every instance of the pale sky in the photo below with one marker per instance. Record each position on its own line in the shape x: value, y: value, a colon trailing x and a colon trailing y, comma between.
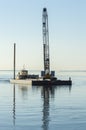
x: 21, y: 23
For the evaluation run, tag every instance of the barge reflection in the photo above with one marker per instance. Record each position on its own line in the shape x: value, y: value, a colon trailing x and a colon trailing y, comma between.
x: 48, y: 92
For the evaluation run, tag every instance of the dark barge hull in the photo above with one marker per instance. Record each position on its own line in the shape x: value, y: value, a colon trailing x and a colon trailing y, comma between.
x: 46, y: 82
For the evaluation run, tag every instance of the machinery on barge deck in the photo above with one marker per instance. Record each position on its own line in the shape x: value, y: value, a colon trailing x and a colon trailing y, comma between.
x: 23, y: 74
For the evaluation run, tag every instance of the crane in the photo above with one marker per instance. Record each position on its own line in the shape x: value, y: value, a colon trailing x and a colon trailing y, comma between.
x: 46, y: 43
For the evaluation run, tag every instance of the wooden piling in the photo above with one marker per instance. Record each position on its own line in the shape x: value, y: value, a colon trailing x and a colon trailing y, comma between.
x: 14, y: 58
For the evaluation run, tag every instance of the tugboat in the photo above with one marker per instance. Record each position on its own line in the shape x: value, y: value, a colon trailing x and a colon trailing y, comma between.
x: 24, y: 78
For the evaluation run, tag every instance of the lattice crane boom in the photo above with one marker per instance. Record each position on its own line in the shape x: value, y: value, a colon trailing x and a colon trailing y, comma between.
x: 46, y: 42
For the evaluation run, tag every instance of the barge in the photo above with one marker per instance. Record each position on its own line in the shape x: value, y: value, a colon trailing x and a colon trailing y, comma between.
x: 51, y: 83
x: 40, y: 82
x: 47, y: 76
x: 30, y: 79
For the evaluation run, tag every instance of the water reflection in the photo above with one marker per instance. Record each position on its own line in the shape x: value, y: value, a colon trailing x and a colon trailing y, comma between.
x: 24, y: 91
x: 47, y: 93
x: 68, y: 88
x: 14, y: 107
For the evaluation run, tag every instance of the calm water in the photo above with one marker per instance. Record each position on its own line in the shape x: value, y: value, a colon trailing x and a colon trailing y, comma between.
x: 43, y: 108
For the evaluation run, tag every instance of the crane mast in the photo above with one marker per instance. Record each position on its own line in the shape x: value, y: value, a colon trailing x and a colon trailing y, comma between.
x: 46, y: 43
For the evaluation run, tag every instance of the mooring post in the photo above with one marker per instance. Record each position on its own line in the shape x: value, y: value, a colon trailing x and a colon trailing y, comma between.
x: 14, y: 58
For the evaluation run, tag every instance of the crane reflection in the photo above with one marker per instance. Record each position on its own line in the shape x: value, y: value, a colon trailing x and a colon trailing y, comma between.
x: 46, y: 92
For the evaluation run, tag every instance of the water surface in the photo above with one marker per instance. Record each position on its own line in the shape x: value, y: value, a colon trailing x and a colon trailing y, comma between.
x: 43, y: 108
